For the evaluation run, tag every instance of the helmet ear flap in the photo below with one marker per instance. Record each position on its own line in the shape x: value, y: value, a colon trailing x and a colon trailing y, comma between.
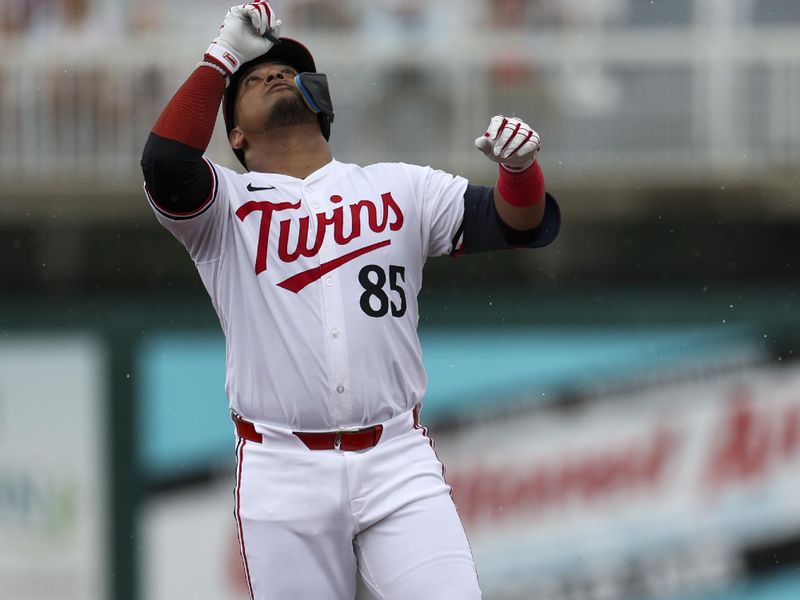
x: 313, y: 87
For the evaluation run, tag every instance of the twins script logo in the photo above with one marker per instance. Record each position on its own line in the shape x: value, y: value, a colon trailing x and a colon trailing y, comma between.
x: 364, y: 213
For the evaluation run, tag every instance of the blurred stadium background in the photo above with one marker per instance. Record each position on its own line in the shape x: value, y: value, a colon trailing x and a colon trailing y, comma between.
x: 619, y: 413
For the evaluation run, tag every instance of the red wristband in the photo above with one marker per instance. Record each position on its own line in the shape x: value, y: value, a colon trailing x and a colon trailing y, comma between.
x: 521, y: 189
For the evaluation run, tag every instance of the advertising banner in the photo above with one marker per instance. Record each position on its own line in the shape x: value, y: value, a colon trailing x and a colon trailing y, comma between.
x: 53, y: 521
x: 190, y: 545
x: 648, y: 494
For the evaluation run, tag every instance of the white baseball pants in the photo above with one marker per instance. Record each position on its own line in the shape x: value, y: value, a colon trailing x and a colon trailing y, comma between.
x: 309, y: 519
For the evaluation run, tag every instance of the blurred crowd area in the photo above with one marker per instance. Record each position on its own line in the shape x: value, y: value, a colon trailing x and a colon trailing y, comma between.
x: 41, y: 20
x: 663, y: 82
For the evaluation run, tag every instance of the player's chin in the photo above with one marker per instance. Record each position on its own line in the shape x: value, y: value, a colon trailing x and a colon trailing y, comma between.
x: 288, y: 110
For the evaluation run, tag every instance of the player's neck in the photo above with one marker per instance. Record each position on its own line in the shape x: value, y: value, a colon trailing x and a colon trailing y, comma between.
x: 296, y: 151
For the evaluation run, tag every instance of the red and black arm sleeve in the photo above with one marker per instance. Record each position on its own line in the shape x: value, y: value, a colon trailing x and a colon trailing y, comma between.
x: 176, y: 176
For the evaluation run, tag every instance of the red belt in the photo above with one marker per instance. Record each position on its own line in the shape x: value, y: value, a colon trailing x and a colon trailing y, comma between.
x: 346, y: 439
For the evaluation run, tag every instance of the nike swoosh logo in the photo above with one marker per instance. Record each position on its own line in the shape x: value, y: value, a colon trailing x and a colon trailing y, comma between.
x: 301, y: 280
x: 252, y: 188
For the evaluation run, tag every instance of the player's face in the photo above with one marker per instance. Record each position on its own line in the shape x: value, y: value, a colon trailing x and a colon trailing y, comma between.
x: 267, y: 98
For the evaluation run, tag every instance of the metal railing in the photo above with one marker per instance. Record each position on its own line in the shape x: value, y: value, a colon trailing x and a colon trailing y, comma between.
x: 639, y: 106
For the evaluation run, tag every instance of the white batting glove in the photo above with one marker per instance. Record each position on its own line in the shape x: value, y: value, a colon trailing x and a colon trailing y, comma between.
x: 510, y: 142
x: 244, y: 35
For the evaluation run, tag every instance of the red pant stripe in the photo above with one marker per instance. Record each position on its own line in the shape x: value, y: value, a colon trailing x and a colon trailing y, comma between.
x: 239, y: 468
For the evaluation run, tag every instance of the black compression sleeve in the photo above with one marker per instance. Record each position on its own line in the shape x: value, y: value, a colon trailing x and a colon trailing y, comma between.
x: 484, y: 229
x: 177, y: 178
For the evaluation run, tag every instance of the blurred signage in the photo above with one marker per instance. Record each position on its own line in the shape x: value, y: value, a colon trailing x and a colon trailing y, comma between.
x: 52, y: 469
x: 182, y: 376
x: 190, y: 548
x: 651, y: 495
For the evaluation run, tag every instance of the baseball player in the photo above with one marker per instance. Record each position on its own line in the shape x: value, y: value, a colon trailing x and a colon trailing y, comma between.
x: 314, y: 267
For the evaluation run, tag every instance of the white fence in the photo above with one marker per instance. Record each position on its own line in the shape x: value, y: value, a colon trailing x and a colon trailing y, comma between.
x: 640, y: 106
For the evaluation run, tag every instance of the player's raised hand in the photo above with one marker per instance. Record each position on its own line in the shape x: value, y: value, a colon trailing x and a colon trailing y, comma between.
x: 510, y: 142
x: 249, y: 30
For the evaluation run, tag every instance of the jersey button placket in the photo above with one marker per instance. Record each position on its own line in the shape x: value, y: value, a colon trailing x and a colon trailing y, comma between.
x: 334, y: 317
x: 332, y: 289
x: 308, y: 192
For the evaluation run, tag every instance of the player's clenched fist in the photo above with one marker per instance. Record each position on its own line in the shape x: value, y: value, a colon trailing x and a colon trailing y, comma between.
x: 510, y: 142
x: 244, y: 35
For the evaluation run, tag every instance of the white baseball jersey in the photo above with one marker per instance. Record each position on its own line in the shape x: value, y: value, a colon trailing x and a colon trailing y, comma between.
x: 315, y: 282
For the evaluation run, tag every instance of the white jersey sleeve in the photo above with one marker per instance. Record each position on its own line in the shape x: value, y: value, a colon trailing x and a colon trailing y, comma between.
x: 441, y: 204
x: 202, y: 230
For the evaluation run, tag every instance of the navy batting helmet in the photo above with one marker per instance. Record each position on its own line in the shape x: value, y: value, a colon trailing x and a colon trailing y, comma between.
x: 313, y: 86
